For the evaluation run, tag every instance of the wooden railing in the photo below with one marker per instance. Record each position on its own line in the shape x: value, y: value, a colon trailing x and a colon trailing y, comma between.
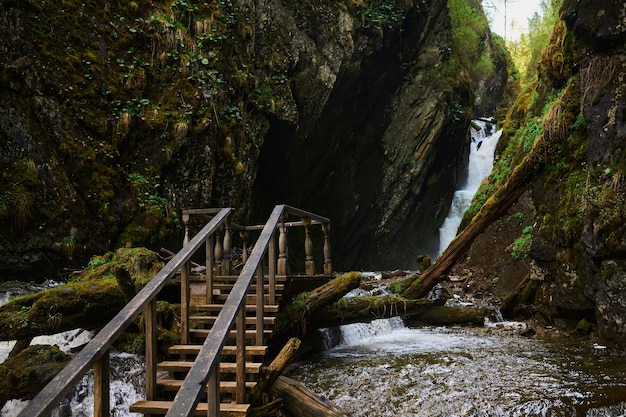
x: 204, y: 371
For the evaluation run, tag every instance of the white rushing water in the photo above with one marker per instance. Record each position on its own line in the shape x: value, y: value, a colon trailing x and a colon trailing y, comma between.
x: 456, y: 372
x: 482, y: 148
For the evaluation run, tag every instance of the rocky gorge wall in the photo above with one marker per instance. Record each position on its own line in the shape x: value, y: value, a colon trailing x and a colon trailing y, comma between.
x: 558, y: 254
x: 115, y: 116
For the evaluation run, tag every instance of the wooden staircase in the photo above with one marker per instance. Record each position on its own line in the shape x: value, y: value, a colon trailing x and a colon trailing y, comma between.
x: 224, y: 330
x: 172, y: 372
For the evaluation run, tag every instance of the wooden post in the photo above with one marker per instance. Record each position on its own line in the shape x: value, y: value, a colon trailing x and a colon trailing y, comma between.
x: 309, y: 263
x: 282, y: 250
x: 101, y: 386
x: 213, y: 392
x: 328, y: 266
x: 209, y: 270
x: 228, y: 245
x: 260, y: 296
x: 184, y: 303
x: 240, y: 373
x: 218, y: 252
x: 272, y: 269
x: 150, y: 324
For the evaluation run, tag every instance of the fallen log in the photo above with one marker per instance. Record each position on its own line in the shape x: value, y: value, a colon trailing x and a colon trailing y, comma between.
x: 76, y: 305
x: 330, y: 292
x: 299, y: 401
x: 556, y: 129
x: 270, y: 373
x: 89, y: 302
x: 294, y: 317
x: 269, y: 409
x: 365, y: 309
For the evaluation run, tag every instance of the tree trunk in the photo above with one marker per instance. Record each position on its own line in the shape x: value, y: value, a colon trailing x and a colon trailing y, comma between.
x: 299, y: 401
x: 295, y: 316
x: 330, y: 292
x: 88, y: 302
x: 366, y: 309
x: 270, y: 373
x: 85, y: 305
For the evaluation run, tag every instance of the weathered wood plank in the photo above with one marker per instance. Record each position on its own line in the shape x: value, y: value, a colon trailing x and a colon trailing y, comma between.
x: 161, y: 407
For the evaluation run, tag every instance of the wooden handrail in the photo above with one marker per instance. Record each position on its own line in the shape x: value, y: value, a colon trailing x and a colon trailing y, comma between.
x: 52, y: 394
x: 205, y: 368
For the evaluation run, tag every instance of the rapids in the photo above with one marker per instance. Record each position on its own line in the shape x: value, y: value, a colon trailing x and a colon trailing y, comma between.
x: 469, y: 371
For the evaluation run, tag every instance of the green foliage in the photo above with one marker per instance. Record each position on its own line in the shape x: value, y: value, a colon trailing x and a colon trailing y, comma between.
x: 153, y: 213
x: 380, y: 13
x: 397, y: 288
x: 520, y: 248
x: 18, y: 183
x: 526, y: 51
x: 469, y: 34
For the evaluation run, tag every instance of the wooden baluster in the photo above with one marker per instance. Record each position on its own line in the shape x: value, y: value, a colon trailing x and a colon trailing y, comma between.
x: 282, y: 250
x: 186, y: 223
x: 328, y: 266
x: 260, y: 298
x: 209, y: 270
x: 309, y: 263
x: 150, y: 324
x: 218, y: 252
x: 184, y: 303
x: 101, y: 386
x: 243, y: 234
x: 272, y: 269
x: 226, y: 258
x: 240, y: 392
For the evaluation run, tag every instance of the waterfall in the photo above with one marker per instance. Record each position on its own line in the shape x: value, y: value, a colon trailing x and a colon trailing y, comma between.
x: 482, y: 148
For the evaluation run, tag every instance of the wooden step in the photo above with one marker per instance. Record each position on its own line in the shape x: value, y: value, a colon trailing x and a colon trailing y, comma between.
x: 229, y: 278
x: 249, y: 320
x: 162, y: 407
x: 226, y: 367
x: 233, y: 278
x: 250, y: 298
x: 225, y: 287
x: 268, y: 308
x: 227, y: 350
x: 225, y: 386
x: 250, y: 333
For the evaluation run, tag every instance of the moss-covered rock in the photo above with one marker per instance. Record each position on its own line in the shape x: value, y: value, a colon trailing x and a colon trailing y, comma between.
x: 25, y: 374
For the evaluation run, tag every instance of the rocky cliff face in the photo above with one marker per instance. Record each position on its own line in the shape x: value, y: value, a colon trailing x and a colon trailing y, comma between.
x: 380, y: 131
x: 117, y: 115
x: 571, y: 220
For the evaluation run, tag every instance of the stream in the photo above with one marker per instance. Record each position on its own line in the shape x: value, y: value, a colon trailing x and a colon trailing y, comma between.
x: 386, y: 369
